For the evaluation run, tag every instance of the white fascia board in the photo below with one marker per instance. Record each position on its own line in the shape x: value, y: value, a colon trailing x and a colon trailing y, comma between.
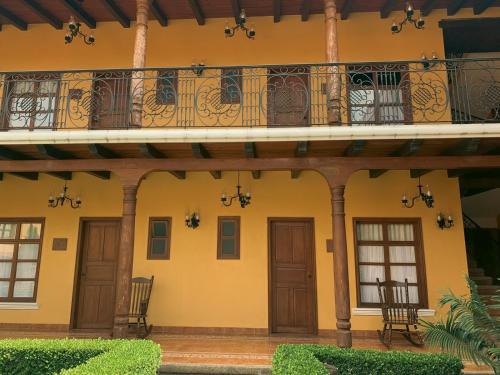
x: 227, y: 135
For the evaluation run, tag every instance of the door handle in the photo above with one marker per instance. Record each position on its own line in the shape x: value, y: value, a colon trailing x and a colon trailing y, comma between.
x: 309, y: 275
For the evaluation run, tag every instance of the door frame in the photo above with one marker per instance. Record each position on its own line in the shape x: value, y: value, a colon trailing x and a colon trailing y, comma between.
x: 78, y: 263
x: 309, y: 220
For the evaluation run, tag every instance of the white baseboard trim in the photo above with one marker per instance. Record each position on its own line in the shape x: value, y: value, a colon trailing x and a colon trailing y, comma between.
x: 18, y: 306
x: 375, y: 311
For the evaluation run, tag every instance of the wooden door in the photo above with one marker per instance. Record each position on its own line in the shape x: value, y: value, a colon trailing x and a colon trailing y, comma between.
x: 292, y: 276
x: 111, y: 101
x: 99, y: 246
x: 288, y: 98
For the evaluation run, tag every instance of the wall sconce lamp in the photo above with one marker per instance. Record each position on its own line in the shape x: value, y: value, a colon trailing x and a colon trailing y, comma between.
x: 444, y: 222
x: 429, y: 63
x: 63, y: 196
x: 198, y: 68
x: 409, y: 12
x: 74, y: 31
x: 192, y: 221
x: 426, y: 197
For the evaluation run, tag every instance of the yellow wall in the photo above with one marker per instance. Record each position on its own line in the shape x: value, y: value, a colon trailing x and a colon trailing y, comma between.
x: 193, y: 288
x: 363, y: 37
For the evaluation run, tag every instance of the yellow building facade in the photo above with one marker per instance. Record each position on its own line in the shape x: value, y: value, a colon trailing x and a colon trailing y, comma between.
x: 194, y: 290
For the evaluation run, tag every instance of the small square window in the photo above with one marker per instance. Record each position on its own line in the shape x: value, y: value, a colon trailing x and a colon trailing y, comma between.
x: 166, y: 87
x: 228, y: 238
x: 159, y: 238
x: 231, y: 86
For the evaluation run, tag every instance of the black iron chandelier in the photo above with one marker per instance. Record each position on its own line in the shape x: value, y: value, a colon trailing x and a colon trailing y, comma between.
x: 63, y: 197
x: 244, y: 199
x: 74, y: 31
x: 240, y: 24
x: 418, y: 23
x: 426, y: 197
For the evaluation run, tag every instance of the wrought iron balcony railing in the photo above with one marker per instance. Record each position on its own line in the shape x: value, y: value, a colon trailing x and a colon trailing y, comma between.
x: 409, y: 92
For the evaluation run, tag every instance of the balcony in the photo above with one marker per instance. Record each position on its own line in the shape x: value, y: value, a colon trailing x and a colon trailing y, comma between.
x: 460, y: 91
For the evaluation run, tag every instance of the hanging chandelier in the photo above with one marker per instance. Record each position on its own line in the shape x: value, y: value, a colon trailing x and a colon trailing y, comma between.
x: 192, y: 220
x: 240, y: 24
x: 426, y: 197
x: 74, y: 31
x: 418, y: 23
x: 63, y: 197
x: 244, y: 199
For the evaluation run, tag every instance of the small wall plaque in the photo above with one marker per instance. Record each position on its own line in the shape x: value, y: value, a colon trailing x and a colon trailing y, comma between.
x: 59, y: 244
x: 329, y: 246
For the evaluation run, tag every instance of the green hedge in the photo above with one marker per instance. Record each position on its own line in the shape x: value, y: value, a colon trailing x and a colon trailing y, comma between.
x: 79, y: 357
x: 309, y: 359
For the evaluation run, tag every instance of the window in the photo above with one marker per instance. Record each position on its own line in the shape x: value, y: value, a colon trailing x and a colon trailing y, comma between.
x: 20, y: 247
x: 228, y: 238
x: 166, y: 87
x: 32, y: 103
x: 231, y: 86
x: 159, y: 238
x: 379, y: 96
x: 389, y: 249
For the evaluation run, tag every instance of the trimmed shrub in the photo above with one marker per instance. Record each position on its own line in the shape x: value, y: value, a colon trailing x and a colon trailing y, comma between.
x: 78, y: 357
x: 309, y: 359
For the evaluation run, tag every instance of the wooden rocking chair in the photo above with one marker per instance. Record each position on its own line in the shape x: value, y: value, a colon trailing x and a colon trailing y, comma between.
x: 397, y: 311
x: 139, y: 302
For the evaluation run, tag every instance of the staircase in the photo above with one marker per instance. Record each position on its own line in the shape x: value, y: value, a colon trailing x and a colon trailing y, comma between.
x: 485, y: 285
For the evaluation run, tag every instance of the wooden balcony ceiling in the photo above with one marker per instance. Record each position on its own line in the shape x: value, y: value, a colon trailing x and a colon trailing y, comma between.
x: 21, y: 13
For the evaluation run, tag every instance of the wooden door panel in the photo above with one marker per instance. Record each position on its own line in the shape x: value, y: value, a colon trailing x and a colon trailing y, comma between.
x: 292, y: 281
x: 97, y: 278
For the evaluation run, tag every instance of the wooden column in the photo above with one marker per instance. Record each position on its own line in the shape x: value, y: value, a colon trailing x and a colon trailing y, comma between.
x: 332, y: 56
x: 130, y: 185
x: 337, y: 180
x: 139, y: 61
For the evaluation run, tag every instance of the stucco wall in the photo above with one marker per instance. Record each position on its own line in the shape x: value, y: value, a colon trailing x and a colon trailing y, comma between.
x: 193, y: 288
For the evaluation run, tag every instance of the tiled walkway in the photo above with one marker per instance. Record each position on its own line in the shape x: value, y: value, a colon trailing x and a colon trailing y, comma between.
x: 229, y: 350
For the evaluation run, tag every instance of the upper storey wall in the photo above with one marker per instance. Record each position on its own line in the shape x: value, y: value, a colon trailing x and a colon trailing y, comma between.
x: 363, y: 37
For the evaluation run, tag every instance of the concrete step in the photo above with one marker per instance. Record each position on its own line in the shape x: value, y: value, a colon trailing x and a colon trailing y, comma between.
x: 198, y: 369
x: 482, y: 280
x: 476, y: 271
x: 487, y: 290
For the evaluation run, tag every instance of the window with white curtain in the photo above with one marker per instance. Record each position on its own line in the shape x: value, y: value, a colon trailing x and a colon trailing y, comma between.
x: 379, y: 95
x: 389, y: 250
x: 20, y: 242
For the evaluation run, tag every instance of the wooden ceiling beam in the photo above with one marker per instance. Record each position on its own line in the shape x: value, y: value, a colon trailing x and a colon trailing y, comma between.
x: 52, y: 152
x: 197, y: 11
x: 428, y: 7
x: 149, y: 151
x: 346, y: 10
x: 481, y: 5
x: 15, y: 20
x: 251, y: 153
x: 1, y: 176
x: 455, y: 6
x: 300, y: 152
x: 158, y: 13
x: 66, y: 176
x: 387, y: 8
x: 80, y: 13
x: 117, y: 12
x: 102, y: 152
x: 409, y: 148
x: 469, y: 183
x: 200, y: 152
x: 416, y: 173
x: 355, y: 148
x: 31, y: 176
x: 277, y: 10
x: 464, y: 147
x: 44, y: 14
x: 305, y: 10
